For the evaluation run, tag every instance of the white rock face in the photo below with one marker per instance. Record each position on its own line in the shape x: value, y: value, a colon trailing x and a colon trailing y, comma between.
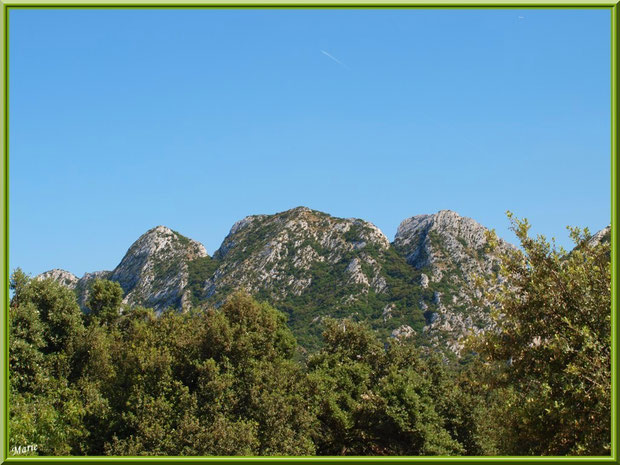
x: 431, y: 240
x: 403, y: 332
x: 453, y: 249
x: 604, y: 235
x: 63, y: 277
x: 356, y: 273
x: 278, y: 253
x: 447, y: 243
x: 154, y: 271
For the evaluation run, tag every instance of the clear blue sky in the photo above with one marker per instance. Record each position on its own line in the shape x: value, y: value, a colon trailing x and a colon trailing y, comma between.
x: 124, y: 120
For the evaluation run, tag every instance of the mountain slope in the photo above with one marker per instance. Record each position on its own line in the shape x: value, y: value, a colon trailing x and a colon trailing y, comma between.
x: 312, y: 265
x: 154, y: 271
x: 450, y: 249
x: 309, y: 264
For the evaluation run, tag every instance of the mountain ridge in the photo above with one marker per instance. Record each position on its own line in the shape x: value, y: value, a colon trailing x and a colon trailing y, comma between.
x: 312, y: 265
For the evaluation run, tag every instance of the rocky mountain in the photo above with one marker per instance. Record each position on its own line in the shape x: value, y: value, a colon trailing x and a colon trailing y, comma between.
x: 603, y: 236
x: 154, y: 271
x: 312, y: 265
x: 63, y: 277
x: 446, y: 243
x: 279, y: 253
x: 451, y: 250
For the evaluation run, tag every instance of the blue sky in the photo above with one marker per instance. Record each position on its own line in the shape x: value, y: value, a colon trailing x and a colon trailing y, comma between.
x: 121, y: 120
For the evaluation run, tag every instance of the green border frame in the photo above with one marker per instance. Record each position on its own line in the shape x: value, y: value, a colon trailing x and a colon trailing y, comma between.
x: 7, y: 5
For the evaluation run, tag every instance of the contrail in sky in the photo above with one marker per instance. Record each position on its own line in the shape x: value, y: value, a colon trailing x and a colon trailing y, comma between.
x: 334, y: 58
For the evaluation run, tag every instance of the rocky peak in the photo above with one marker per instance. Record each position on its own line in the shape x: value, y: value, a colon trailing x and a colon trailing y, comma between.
x: 311, y: 265
x: 280, y: 252
x: 603, y: 236
x: 435, y: 241
x: 154, y: 272
x: 161, y: 238
x: 450, y: 249
x: 446, y: 222
x: 63, y: 277
x: 307, y: 223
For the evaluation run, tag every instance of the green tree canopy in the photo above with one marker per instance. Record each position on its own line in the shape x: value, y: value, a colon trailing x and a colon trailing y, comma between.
x: 551, y: 353
x: 373, y: 400
x: 104, y: 300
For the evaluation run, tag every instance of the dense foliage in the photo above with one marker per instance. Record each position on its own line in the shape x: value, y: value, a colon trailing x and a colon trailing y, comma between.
x: 555, y: 332
x: 120, y: 380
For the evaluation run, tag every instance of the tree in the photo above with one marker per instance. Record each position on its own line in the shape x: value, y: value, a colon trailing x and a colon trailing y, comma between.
x: 208, y: 382
x: 26, y: 341
x: 551, y: 352
x: 44, y: 329
x: 57, y: 309
x: 104, y: 300
x: 251, y: 343
x: 373, y: 401
x: 19, y: 280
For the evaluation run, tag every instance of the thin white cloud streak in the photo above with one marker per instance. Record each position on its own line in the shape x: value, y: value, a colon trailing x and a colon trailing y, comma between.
x: 334, y: 58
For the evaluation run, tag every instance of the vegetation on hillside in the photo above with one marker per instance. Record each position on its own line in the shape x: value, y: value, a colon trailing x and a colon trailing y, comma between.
x: 120, y: 380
